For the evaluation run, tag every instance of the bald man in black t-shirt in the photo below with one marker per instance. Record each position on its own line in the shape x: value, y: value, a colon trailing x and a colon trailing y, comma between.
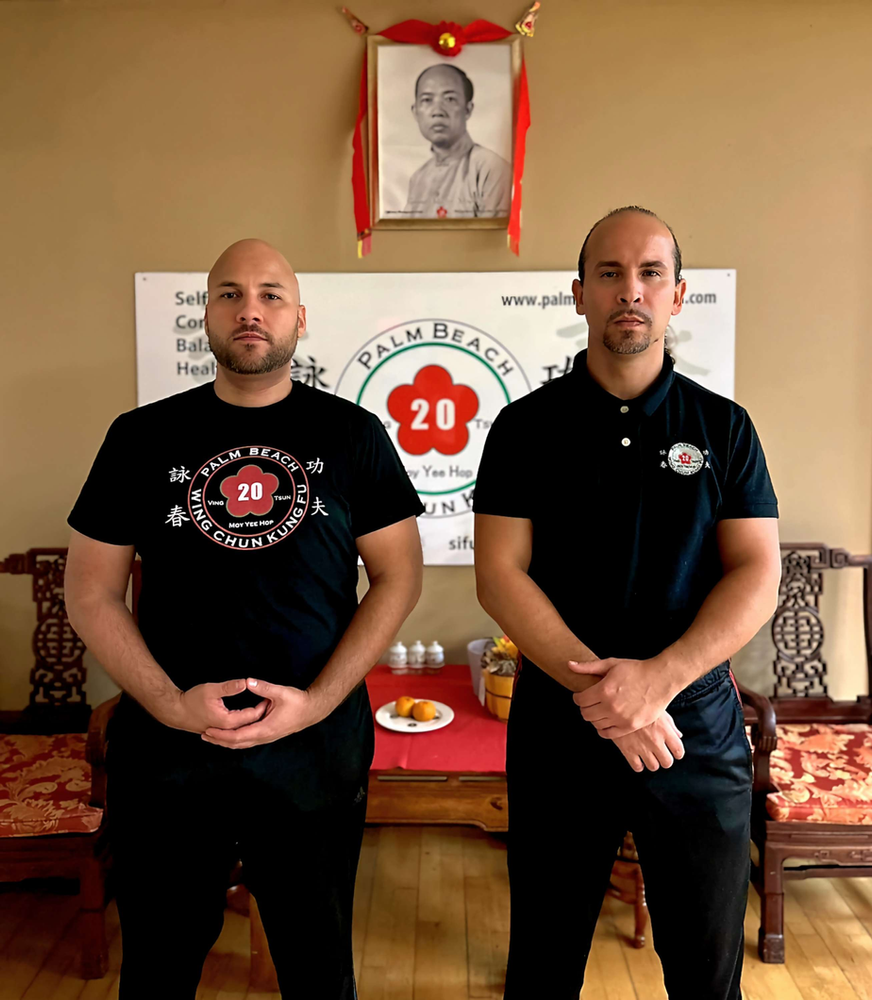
x: 244, y: 729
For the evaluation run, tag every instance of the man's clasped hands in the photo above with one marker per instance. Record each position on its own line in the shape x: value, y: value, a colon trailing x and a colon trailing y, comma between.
x: 629, y: 706
x: 281, y: 711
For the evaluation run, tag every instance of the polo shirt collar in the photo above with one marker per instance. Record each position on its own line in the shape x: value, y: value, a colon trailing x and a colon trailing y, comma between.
x: 648, y: 402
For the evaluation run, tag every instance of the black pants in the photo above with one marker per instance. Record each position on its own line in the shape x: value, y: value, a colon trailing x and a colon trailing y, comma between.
x: 177, y: 829
x: 572, y: 796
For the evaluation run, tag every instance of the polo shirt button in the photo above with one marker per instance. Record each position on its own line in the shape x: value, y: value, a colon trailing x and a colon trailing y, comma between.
x: 625, y: 442
x: 625, y: 409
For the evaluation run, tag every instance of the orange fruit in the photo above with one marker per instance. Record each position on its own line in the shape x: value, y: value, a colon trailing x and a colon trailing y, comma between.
x: 424, y: 711
x: 404, y: 706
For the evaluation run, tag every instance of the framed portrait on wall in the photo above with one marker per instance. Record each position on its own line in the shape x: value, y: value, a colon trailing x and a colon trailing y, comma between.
x: 441, y: 134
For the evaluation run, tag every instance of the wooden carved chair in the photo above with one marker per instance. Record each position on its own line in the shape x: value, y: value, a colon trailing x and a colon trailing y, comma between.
x: 812, y: 793
x: 53, y: 777
x: 52, y: 782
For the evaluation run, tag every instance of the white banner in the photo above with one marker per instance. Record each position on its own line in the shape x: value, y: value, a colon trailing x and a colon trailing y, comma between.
x: 434, y: 356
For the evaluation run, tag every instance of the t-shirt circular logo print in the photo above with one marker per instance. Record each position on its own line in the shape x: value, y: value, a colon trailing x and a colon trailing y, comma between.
x: 249, y: 498
x: 685, y: 459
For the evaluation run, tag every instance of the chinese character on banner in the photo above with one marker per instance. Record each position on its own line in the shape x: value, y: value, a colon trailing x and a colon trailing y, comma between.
x: 179, y: 475
x: 309, y: 373
x: 318, y: 507
x: 554, y: 371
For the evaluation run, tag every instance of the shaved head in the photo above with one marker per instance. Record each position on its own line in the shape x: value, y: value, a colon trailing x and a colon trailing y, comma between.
x: 253, y: 315
x: 253, y: 253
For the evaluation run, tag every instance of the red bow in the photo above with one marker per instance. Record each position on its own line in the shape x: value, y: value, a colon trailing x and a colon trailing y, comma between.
x: 446, y: 38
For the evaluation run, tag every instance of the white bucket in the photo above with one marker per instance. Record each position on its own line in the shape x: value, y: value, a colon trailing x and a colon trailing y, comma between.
x: 474, y: 651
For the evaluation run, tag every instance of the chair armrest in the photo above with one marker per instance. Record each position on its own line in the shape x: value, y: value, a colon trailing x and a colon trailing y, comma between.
x: 763, y: 733
x: 764, y: 738
x: 95, y: 750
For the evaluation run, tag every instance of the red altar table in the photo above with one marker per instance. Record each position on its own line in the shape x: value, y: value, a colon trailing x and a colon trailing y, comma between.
x: 457, y: 774
x: 453, y: 775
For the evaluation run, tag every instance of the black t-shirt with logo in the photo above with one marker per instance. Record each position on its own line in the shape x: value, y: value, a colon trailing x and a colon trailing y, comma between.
x: 245, y: 519
x: 624, y: 497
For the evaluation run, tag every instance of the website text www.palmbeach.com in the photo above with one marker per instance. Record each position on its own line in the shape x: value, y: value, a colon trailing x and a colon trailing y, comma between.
x: 564, y: 299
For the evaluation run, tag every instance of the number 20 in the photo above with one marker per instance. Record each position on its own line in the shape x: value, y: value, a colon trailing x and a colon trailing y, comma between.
x: 256, y: 491
x: 445, y: 414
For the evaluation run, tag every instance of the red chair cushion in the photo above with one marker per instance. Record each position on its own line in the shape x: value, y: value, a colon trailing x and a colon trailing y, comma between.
x: 823, y: 774
x: 45, y: 785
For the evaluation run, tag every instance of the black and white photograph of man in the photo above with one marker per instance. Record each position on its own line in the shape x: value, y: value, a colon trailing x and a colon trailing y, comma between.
x: 447, y: 153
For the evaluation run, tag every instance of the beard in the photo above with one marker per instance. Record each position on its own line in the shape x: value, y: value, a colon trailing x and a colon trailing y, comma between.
x: 243, y: 359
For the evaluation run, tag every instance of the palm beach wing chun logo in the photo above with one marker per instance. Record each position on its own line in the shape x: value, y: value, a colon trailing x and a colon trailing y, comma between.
x: 685, y: 459
x: 249, y: 498
x: 437, y: 386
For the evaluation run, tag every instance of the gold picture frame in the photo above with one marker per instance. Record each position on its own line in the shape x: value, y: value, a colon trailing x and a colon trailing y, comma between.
x: 380, y: 220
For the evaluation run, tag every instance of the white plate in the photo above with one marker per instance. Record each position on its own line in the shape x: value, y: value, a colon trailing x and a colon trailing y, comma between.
x: 387, y: 716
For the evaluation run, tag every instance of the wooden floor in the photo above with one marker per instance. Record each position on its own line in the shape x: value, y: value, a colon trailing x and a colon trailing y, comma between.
x: 431, y: 923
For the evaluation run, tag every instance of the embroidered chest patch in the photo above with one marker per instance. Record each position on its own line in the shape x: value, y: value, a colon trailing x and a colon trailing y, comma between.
x: 685, y: 459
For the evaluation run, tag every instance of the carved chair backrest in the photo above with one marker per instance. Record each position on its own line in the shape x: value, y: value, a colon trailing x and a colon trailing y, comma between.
x: 800, y: 693
x: 58, y: 674
x: 57, y: 677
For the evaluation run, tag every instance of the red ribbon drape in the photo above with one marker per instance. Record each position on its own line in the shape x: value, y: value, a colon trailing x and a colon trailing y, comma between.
x: 358, y: 175
x: 421, y: 33
x: 521, y: 126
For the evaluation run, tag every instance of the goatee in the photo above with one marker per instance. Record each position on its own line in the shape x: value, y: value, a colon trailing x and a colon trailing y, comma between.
x: 627, y: 343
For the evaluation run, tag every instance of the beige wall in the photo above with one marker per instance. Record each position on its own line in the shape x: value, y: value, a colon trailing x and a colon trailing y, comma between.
x: 142, y: 135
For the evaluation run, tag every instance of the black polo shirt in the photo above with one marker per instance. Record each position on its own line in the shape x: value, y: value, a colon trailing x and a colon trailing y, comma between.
x: 625, y: 497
